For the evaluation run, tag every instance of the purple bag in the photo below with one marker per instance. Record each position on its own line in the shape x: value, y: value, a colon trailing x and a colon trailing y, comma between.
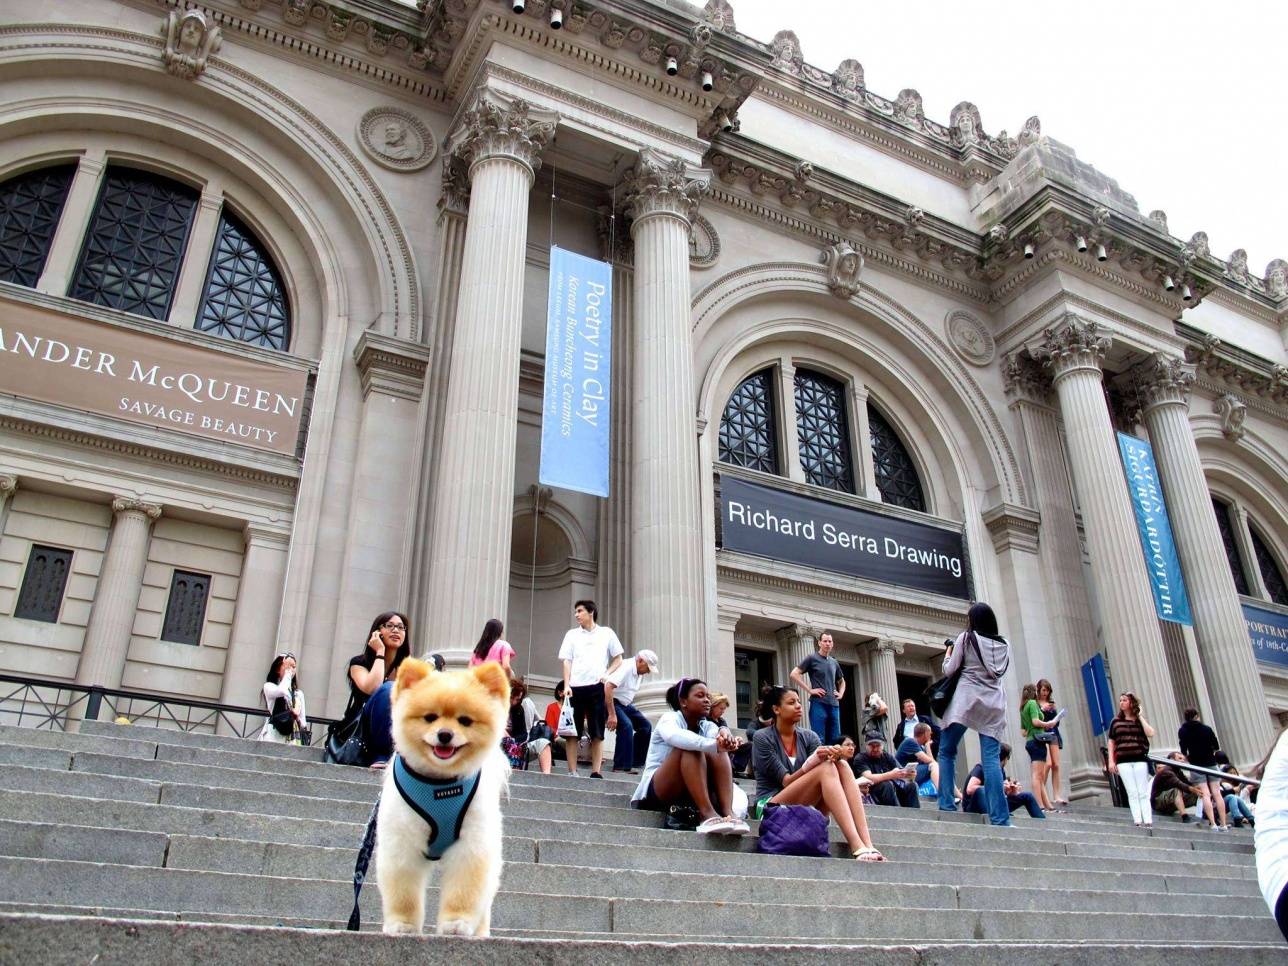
x: 793, y: 830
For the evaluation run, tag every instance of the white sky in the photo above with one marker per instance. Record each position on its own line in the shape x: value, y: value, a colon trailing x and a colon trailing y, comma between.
x: 1185, y: 104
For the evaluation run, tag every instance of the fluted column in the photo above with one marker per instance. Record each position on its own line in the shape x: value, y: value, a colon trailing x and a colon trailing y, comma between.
x: 797, y: 642
x: 252, y: 641
x: 469, y: 573
x: 666, y: 522
x: 1129, y: 630
x: 721, y: 675
x: 1234, y: 686
x: 116, y: 598
x: 884, y: 679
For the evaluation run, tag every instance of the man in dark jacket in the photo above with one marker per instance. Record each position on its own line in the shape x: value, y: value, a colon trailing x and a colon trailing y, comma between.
x: 909, y: 721
x: 1199, y: 745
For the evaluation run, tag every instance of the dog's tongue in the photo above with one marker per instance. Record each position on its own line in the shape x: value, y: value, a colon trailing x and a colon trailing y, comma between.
x: 444, y: 751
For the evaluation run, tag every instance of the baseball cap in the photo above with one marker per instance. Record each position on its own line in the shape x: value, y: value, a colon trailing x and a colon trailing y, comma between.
x: 650, y: 658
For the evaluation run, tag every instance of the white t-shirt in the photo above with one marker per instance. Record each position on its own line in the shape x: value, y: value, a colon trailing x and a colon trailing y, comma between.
x: 626, y: 679
x: 590, y: 652
x: 1272, y: 825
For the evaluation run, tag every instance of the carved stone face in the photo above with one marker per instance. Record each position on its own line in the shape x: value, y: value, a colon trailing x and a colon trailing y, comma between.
x: 191, y: 32
x: 395, y: 134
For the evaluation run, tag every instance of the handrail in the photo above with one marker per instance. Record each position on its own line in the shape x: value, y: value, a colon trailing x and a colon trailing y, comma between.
x: 1203, y: 770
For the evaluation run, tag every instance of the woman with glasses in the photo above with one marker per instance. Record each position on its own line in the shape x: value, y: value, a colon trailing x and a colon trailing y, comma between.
x: 363, y: 736
x: 286, y: 717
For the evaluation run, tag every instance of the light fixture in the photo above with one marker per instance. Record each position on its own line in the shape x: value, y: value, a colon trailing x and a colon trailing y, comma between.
x: 1101, y: 254
x: 518, y: 5
x: 708, y: 81
x: 1028, y: 249
x: 672, y: 66
x: 1081, y: 243
x: 556, y: 18
x: 1169, y: 284
x: 1186, y: 294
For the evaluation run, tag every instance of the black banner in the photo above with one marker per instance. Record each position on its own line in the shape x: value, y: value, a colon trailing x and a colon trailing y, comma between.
x: 784, y: 526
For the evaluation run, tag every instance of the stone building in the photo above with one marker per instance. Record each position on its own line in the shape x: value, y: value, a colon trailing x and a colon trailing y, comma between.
x: 272, y: 328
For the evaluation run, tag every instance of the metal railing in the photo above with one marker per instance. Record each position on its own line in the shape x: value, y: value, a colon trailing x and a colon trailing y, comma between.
x: 54, y: 705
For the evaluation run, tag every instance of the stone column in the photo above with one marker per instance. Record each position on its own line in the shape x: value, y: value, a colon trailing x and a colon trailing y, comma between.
x: 65, y: 246
x: 863, y: 441
x: 252, y: 641
x: 787, y: 421
x: 797, y: 642
x: 1234, y: 686
x: 498, y: 141
x: 613, y: 593
x: 1251, y: 566
x: 1074, y: 350
x: 884, y: 681
x: 722, y: 673
x: 191, y: 285
x: 116, y: 598
x: 666, y: 520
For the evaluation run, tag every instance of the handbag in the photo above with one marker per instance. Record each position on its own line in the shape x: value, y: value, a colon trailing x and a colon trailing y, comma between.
x: 540, y: 731
x: 939, y: 695
x: 567, y: 721
x: 682, y: 818
x: 338, y: 738
x: 283, y: 721
x: 793, y: 830
x: 1046, y: 735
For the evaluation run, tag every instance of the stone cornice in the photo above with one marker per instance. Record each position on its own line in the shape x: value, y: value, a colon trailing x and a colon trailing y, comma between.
x: 1125, y: 326
x: 395, y: 367
x: 1258, y: 383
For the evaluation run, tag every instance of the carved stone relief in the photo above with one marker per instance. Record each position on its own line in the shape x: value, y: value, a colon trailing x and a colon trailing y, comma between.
x: 396, y: 139
x: 844, y: 266
x: 704, y: 243
x: 848, y: 80
x: 970, y: 338
x: 786, y: 48
x: 190, y: 39
x: 1233, y: 412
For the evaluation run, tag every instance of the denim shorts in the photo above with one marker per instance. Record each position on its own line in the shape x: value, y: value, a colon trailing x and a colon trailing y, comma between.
x: 1037, y: 749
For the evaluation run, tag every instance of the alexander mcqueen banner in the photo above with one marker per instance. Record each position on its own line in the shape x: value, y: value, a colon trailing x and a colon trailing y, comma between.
x: 786, y: 526
x: 1268, y: 630
x: 575, y: 411
x: 145, y: 378
x: 1170, y: 600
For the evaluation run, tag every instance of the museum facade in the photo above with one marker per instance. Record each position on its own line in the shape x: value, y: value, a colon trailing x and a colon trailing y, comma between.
x: 273, y: 280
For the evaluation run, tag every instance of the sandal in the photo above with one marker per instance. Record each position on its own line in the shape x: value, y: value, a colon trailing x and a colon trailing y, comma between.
x: 869, y: 854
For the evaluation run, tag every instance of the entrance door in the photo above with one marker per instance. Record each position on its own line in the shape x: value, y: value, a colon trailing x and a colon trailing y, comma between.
x: 910, y: 686
x: 752, y: 670
x: 850, y: 703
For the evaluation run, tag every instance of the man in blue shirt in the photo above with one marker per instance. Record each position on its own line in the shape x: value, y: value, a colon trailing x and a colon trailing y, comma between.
x: 916, y: 748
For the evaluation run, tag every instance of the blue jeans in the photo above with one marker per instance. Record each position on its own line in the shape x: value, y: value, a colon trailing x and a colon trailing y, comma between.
x: 377, y: 723
x: 825, y: 721
x: 633, y: 735
x: 990, y: 751
x: 1238, y: 809
x: 977, y: 803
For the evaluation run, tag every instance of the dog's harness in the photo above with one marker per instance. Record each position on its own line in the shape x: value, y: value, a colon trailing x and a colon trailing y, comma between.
x: 441, y: 804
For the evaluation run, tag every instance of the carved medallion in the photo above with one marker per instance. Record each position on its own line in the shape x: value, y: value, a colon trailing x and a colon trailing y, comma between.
x: 396, y: 139
x: 970, y: 338
x: 704, y: 243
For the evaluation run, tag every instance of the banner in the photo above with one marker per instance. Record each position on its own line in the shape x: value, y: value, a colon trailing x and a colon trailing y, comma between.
x: 785, y: 526
x: 575, y: 410
x: 1100, y: 700
x: 1268, y: 630
x: 1170, y: 600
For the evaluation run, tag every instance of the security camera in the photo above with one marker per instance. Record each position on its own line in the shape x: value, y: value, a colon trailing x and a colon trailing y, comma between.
x: 556, y: 18
x: 1169, y: 284
x: 1081, y: 243
x: 1028, y: 249
x: 726, y: 123
x: 1101, y: 254
x: 1186, y: 294
x: 708, y: 81
x: 518, y: 5
x: 672, y: 66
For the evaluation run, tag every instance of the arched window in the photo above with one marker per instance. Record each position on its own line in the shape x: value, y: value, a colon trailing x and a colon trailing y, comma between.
x: 896, y: 474
x: 823, y: 431
x: 30, y: 206
x: 1271, y: 575
x: 747, y: 434
x: 1223, y: 523
x: 244, y: 297
x: 135, y: 243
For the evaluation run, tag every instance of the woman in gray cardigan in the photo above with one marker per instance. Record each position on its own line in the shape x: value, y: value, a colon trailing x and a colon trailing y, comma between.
x: 793, y: 769
x: 983, y: 656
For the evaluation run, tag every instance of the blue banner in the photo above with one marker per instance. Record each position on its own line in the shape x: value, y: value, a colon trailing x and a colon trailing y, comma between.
x: 575, y: 411
x: 1170, y: 600
x: 1268, y: 630
x: 1100, y: 701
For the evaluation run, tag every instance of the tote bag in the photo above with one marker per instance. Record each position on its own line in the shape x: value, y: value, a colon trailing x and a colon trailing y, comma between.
x: 567, y: 722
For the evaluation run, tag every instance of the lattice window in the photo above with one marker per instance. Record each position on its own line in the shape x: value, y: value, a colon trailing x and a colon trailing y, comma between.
x: 185, y: 612
x: 1224, y: 523
x: 135, y: 243
x: 1271, y: 575
x: 823, y: 431
x: 244, y: 297
x: 747, y: 433
x: 896, y: 473
x: 30, y: 206
x: 43, y: 584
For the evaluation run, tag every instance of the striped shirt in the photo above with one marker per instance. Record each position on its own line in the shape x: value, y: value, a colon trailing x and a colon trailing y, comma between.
x: 1130, y: 743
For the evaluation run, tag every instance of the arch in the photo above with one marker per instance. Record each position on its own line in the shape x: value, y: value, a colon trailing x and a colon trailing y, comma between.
x: 562, y: 517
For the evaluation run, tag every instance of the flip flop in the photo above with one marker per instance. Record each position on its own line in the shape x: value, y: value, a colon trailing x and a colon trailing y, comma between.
x: 867, y: 854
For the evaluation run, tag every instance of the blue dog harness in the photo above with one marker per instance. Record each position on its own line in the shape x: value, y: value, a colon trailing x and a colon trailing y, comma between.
x: 441, y: 803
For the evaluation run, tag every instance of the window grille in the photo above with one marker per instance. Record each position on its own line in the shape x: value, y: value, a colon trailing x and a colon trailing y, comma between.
x: 244, y: 297
x: 135, y: 243
x: 30, y: 206
x: 1271, y: 575
x: 1224, y: 524
x: 41, y: 596
x: 185, y: 611
x: 823, y: 431
x: 747, y: 432
x: 896, y: 474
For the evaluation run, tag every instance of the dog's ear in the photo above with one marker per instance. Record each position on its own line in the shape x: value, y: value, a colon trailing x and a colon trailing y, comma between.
x: 493, y: 677
x: 410, y: 673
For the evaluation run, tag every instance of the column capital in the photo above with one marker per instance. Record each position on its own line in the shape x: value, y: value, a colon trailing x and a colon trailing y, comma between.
x: 797, y: 633
x: 500, y: 126
x: 130, y: 504
x: 888, y: 645
x: 662, y: 185
x: 1073, y: 344
x: 1023, y: 377
x: 1163, y: 380
x: 8, y: 484
x: 727, y: 617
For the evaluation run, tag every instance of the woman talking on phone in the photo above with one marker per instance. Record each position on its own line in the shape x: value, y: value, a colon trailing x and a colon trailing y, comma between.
x: 363, y: 736
x: 794, y: 768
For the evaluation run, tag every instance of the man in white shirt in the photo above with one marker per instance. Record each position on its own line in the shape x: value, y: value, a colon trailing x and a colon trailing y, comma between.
x: 588, y: 652
x: 633, y: 729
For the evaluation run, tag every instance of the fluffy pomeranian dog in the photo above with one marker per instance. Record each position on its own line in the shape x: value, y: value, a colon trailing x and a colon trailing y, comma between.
x: 441, y: 801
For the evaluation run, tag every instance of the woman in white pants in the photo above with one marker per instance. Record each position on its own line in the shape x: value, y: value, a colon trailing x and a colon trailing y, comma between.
x: 1128, y: 756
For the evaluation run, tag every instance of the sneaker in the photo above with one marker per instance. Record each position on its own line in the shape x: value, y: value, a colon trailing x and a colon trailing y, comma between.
x: 1220, y: 828
x: 712, y: 826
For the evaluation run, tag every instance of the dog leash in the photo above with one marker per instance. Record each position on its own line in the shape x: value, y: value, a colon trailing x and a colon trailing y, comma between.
x: 361, y: 865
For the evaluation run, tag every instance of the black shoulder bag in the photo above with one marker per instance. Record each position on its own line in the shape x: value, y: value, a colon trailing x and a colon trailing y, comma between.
x: 940, y: 693
x: 282, y: 720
